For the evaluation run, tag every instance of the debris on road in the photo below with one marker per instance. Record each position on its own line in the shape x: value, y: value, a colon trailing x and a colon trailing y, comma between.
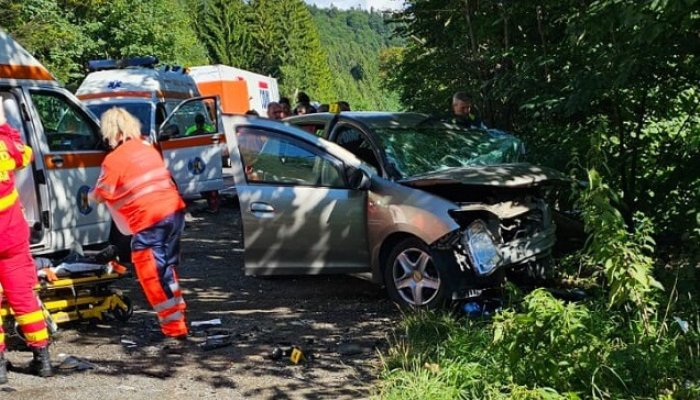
x: 75, y: 363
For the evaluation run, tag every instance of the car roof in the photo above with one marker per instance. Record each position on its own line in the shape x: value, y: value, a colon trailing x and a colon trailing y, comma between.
x: 373, y: 119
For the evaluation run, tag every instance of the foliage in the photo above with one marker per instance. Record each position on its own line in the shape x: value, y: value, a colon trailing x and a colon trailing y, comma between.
x: 225, y: 29
x: 544, y: 349
x: 354, y: 40
x: 287, y: 45
x: 65, y: 35
x: 281, y: 39
x: 623, y: 256
x: 561, y: 72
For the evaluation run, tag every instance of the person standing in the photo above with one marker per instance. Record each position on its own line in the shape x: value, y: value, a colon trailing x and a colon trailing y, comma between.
x: 144, y: 202
x: 17, y: 270
x: 463, y: 112
x: 274, y: 111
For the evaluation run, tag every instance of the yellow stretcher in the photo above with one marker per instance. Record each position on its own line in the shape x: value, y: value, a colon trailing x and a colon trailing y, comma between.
x: 87, y: 297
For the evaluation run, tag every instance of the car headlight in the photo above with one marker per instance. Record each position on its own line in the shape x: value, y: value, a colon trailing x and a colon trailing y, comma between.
x: 481, y: 248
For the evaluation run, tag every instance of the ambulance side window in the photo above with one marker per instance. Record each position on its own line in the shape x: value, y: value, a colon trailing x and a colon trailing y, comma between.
x: 66, y: 128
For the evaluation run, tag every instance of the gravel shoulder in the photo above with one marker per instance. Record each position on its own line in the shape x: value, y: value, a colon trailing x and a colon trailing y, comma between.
x: 340, y: 322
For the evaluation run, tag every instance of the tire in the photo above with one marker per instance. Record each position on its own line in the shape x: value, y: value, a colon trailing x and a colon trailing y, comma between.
x: 411, y: 278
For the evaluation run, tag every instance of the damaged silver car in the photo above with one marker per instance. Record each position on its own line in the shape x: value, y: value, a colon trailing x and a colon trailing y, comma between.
x: 434, y: 211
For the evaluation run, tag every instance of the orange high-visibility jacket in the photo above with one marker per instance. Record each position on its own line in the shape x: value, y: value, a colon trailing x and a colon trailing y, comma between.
x: 136, y: 187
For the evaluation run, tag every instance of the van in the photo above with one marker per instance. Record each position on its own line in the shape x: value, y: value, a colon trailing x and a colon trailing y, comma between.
x: 150, y: 93
x: 68, y: 152
x: 240, y: 90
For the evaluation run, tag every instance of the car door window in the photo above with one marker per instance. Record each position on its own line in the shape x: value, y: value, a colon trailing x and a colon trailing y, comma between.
x: 357, y: 143
x: 269, y: 158
x: 65, y: 127
x: 195, y: 118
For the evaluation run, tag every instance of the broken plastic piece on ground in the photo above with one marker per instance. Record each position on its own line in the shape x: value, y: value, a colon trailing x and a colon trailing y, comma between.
x: 211, y: 322
x: 76, y: 363
x: 216, y: 341
x: 128, y: 343
x: 294, y: 353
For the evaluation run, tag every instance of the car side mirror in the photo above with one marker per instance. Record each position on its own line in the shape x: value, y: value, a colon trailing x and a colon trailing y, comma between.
x: 359, y: 179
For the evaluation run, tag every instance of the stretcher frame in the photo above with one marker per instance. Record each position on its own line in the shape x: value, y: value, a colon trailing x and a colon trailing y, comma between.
x: 78, y: 299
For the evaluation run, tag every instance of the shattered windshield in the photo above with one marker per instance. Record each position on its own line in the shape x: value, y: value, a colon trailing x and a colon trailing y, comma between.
x: 422, y: 148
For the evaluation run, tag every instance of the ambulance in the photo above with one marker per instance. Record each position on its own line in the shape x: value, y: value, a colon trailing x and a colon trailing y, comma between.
x: 151, y: 92
x: 240, y: 90
x: 69, y: 150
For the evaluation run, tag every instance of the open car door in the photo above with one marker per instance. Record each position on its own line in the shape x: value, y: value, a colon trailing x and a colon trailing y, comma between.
x: 189, y: 140
x: 301, y: 213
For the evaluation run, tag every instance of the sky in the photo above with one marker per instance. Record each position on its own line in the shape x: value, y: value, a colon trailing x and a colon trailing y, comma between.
x: 365, y: 4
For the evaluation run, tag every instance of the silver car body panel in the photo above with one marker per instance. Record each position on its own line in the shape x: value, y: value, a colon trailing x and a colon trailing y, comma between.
x: 297, y: 229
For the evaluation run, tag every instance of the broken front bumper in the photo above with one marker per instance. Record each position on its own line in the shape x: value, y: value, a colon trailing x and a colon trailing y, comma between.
x: 463, y: 282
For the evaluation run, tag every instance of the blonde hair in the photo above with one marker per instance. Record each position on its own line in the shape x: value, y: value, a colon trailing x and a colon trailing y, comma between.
x: 118, y: 125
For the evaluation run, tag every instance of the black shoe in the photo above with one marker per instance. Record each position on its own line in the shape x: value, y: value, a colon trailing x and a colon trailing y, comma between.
x: 41, y: 363
x: 3, y: 369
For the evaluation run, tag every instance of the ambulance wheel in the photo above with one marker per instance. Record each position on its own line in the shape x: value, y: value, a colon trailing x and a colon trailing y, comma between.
x: 122, y: 315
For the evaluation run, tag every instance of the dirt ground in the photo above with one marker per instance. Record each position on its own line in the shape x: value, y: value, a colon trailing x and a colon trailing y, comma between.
x: 340, y: 322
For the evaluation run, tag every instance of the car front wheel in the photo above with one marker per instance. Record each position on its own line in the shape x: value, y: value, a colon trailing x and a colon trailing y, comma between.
x: 411, y: 277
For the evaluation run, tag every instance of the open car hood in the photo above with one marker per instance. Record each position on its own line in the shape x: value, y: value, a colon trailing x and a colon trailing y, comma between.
x: 503, y: 175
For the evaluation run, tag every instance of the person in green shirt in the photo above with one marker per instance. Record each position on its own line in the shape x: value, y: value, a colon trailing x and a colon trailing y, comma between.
x: 200, y: 127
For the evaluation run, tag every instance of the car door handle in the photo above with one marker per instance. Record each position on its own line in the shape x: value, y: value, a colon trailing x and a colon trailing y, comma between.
x: 57, y: 161
x: 215, y: 139
x: 259, y: 207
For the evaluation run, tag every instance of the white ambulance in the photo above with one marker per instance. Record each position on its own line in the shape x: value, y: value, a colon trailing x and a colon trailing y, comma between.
x: 68, y: 151
x: 239, y: 90
x: 150, y: 92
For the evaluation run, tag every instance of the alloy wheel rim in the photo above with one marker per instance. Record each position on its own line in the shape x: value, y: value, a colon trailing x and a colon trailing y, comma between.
x: 415, y: 277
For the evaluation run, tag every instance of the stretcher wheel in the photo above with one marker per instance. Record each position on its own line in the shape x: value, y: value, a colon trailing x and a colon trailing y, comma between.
x: 121, y: 314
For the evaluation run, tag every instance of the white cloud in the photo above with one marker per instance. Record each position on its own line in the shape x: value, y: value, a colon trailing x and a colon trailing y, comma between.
x: 364, y: 4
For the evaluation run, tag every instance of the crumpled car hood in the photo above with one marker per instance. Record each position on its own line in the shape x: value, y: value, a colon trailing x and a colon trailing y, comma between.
x: 502, y: 175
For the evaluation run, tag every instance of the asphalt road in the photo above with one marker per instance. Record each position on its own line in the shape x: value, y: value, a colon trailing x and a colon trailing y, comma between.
x: 339, y: 322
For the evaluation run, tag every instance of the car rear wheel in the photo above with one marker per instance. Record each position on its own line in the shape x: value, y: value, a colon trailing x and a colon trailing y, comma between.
x: 411, y: 277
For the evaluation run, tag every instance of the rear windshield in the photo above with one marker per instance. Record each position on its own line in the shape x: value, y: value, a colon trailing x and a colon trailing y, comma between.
x: 142, y: 112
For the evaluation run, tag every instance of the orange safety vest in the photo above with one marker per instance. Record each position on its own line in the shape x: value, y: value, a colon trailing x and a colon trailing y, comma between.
x: 136, y: 187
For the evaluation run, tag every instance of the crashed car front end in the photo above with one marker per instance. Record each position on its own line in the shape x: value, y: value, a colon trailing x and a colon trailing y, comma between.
x: 494, y: 240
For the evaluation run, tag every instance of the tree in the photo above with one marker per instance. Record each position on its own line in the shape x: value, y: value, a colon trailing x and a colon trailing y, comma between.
x: 288, y: 47
x: 224, y: 27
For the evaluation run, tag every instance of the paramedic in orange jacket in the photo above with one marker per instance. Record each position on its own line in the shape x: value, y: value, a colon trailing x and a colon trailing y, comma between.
x: 144, y: 202
x: 17, y: 270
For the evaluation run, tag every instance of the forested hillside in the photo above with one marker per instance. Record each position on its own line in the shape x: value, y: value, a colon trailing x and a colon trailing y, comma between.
x: 330, y: 54
x: 354, y: 40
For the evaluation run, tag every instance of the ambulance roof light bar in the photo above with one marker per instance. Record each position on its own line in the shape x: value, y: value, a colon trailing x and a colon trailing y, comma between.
x: 101, y: 65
